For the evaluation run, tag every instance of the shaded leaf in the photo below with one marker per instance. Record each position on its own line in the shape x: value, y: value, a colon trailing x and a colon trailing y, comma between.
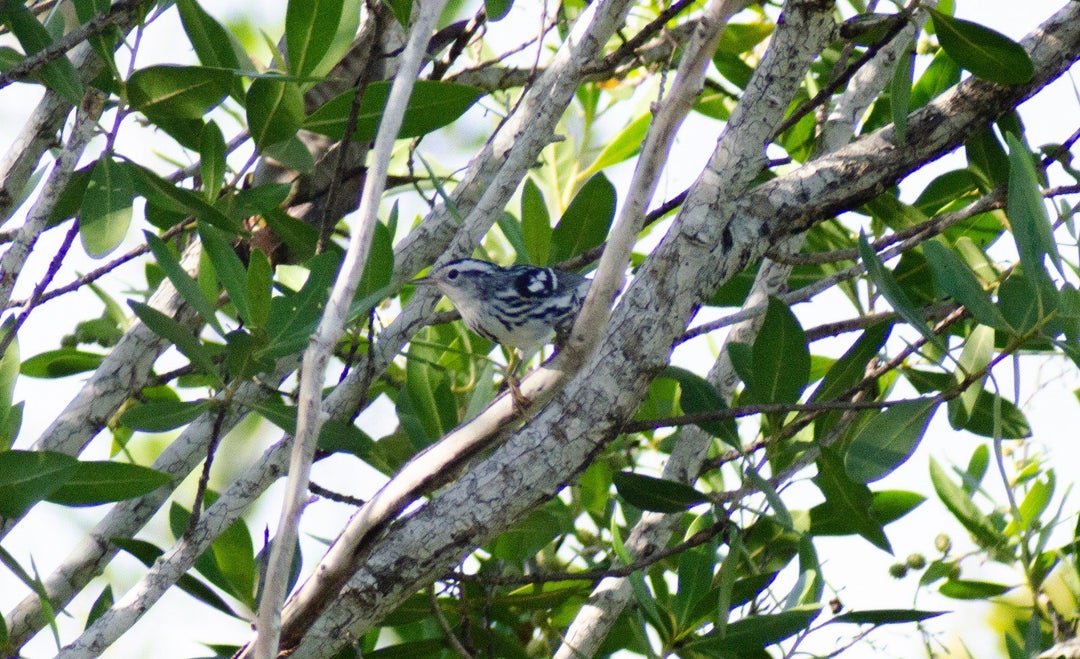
x: 185, y: 285
x: 954, y: 278
x: 886, y: 616
x: 848, y: 499
x: 162, y: 415
x: 780, y: 356
x: 59, y: 75
x: 180, y: 336
x: 95, y: 483
x: 535, y: 224
x: 698, y: 396
x: 886, y: 507
x: 888, y: 440
x: 275, y: 108
x: 657, y: 494
x: 586, y: 221
x: 1027, y: 214
x: 147, y: 553
x: 170, y: 91
x: 892, y: 292
x: 987, y: 53
x: 622, y: 147
x: 432, y: 105
x: 27, y: 477
x: 755, y: 632
x: 963, y: 508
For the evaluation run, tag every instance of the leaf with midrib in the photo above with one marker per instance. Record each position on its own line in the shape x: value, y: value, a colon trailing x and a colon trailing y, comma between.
x: 987, y: 53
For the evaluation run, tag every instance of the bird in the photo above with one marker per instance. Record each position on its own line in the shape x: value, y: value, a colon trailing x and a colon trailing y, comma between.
x: 521, y: 307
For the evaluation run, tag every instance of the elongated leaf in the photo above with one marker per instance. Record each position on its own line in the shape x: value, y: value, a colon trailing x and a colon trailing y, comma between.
x: 886, y: 616
x: 622, y: 147
x: 59, y: 74
x: 212, y: 159
x: 165, y: 195
x: 980, y: 418
x: 185, y: 285
x: 106, y: 208
x: 886, y: 507
x: 160, y: 416
x: 535, y: 224
x: 975, y: 358
x: 432, y: 105
x: 954, y: 278
x: 963, y: 508
x: 1027, y: 214
x: 180, y: 336
x: 657, y: 494
x: 294, y: 317
x: 27, y: 477
x: 900, y: 91
x: 215, y: 46
x: 275, y: 109
x: 102, y: 604
x: 168, y: 91
x: 888, y: 440
x: 781, y: 358
x: 227, y: 266
x: 893, y: 293
x: 260, y: 278
x: 987, y: 53
x: 754, y: 632
x: 848, y: 499
x: 147, y: 553
x: 698, y: 396
x: 586, y: 221
x: 95, y: 483
x: 307, y: 23
x: 961, y: 589
x: 61, y: 363
x: 9, y: 368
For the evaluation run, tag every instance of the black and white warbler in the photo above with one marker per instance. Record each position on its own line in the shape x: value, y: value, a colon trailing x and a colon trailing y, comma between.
x: 520, y: 306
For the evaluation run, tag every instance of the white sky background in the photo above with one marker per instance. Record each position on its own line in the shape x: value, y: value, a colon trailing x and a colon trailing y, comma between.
x: 854, y: 567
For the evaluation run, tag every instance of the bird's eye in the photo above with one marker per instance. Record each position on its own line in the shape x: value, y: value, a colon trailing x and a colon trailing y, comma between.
x: 452, y: 274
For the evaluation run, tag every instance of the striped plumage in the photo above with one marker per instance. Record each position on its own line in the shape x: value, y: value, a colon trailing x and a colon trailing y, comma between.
x: 520, y: 306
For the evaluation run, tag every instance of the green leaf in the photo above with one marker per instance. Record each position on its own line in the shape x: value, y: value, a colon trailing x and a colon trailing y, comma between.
x: 987, y: 53
x: 185, y: 285
x: 848, y: 371
x: 888, y: 440
x: 1027, y: 214
x: 227, y: 266
x: 95, y: 483
x: 214, y: 45
x: 380, y: 265
x: 293, y: 317
x: 952, y: 277
x: 535, y: 224
x: 168, y: 91
x: 697, y: 395
x: 260, y: 278
x: 165, y: 195
x: 987, y: 159
x: 9, y: 368
x: 622, y: 147
x: 106, y: 208
x: 959, y: 503
x: 180, y: 336
x: 961, y: 589
x: 496, y: 10
x: 161, y: 416
x: 900, y: 91
x: 891, y: 291
x: 275, y: 108
x: 59, y: 75
x: 754, y: 632
x: 307, y: 23
x: 585, y: 222
x: 27, y: 477
x: 1011, y: 424
x: 886, y: 616
x: 1035, y: 502
x: 656, y: 494
x: 886, y: 507
x: 780, y: 357
x: 975, y: 358
x: 60, y: 363
x: 526, y: 538
x: 848, y: 499
x: 432, y: 105
x: 102, y: 604
x: 147, y: 553
x: 212, y: 160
